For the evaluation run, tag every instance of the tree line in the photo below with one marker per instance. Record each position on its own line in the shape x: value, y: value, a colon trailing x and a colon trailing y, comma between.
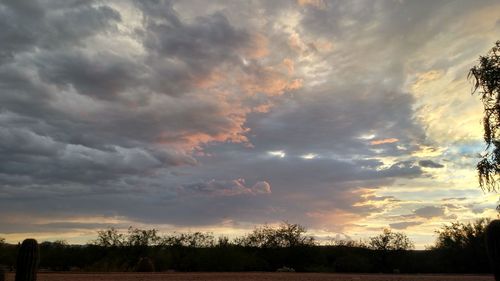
x: 459, y: 248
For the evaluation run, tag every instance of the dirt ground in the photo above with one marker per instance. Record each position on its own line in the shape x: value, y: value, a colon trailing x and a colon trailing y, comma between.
x: 251, y: 276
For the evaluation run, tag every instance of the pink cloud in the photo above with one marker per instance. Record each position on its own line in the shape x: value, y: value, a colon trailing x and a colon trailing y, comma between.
x: 383, y: 141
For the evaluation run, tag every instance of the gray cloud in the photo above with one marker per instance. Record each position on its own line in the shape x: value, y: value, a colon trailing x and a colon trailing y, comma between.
x: 429, y: 212
x: 403, y: 225
x: 13, y: 228
x: 123, y: 134
x: 339, y: 122
x: 228, y: 188
x: 103, y: 75
x: 168, y: 105
x: 48, y: 25
x: 429, y: 164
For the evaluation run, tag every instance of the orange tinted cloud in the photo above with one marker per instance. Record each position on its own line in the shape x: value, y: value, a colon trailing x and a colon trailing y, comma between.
x: 333, y: 219
x: 382, y: 141
x: 295, y: 42
x: 323, y: 45
x: 320, y: 4
x: 228, y: 98
x: 268, y: 81
x: 210, y: 80
x: 258, y: 46
x: 229, y: 92
x: 288, y: 63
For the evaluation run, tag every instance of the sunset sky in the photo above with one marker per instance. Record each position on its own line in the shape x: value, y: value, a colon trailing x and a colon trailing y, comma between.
x: 342, y: 116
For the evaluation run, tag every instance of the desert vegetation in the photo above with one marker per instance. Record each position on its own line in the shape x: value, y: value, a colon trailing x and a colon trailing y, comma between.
x: 486, y: 79
x: 459, y: 248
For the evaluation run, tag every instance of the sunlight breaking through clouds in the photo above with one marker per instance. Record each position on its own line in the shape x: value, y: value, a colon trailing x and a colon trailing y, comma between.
x: 309, y: 156
x: 359, y: 110
x: 277, y: 153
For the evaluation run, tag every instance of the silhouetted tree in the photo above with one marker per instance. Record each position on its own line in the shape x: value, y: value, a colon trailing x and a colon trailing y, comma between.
x: 462, y: 246
x: 142, y: 237
x: 348, y: 243
x: 458, y: 249
x: 390, y: 244
x: 391, y: 241
x: 285, y: 235
x: 486, y: 77
x: 460, y: 235
x: 109, y: 238
x: 223, y: 241
x: 192, y: 240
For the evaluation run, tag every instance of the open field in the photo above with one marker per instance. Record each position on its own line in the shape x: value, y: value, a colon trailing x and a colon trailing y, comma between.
x: 250, y: 276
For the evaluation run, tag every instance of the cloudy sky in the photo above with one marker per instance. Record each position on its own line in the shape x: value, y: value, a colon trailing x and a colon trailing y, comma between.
x: 343, y: 116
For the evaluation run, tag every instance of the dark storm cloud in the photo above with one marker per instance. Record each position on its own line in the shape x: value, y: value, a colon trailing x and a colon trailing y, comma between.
x: 174, y: 108
x: 29, y: 24
x: 47, y: 137
x: 103, y: 75
x: 188, y: 51
x: 82, y: 121
x: 46, y: 160
x: 320, y: 185
x: 111, y: 150
x: 334, y: 121
x: 189, y: 42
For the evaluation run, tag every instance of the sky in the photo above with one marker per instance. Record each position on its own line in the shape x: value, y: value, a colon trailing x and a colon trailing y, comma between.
x: 346, y: 117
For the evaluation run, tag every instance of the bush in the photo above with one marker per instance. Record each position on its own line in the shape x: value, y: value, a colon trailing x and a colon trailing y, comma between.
x: 462, y: 246
x: 285, y: 235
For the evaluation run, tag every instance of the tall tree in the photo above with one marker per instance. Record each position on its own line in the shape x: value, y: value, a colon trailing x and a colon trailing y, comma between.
x: 282, y: 236
x: 486, y: 78
x: 391, y: 241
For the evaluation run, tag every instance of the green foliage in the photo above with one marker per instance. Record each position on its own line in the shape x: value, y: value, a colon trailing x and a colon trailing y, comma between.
x: 28, y: 259
x: 390, y: 241
x: 486, y: 76
x: 285, y: 235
